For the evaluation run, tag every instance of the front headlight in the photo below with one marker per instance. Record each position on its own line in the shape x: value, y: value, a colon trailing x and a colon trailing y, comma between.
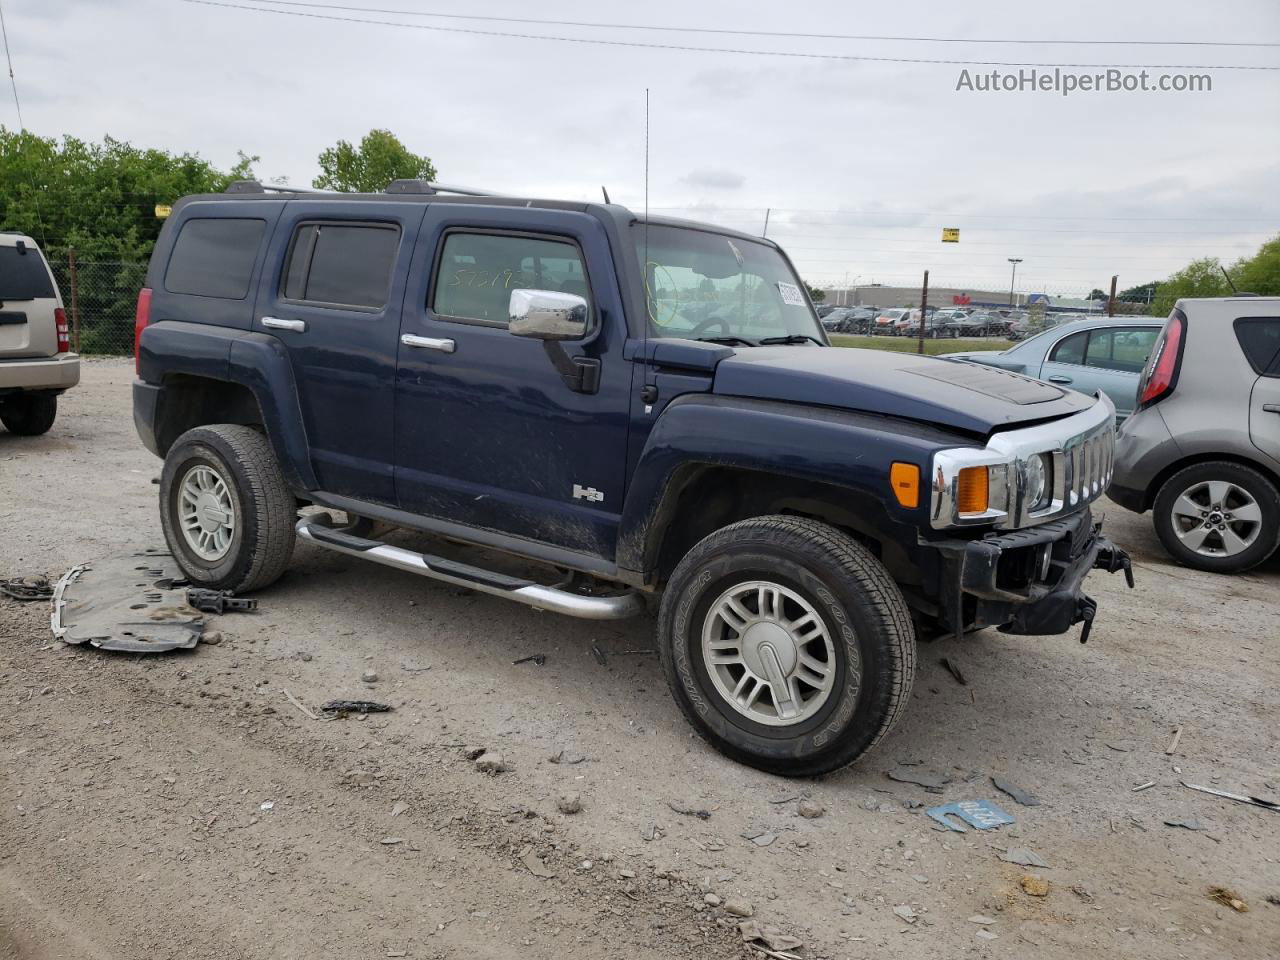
x: 1039, y: 482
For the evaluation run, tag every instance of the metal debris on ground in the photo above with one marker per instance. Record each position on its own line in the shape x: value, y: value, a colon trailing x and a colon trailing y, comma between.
x: 1238, y: 797
x: 954, y: 671
x: 117, y: 603
x: 1015, y: 791
x: 1187, y: 823
x: 689, y: 809
x: 1023, y: 856
x: 1144, y: 786
x: 980, y: 814
x: 27, y: 588
x: 599, y: 655
x: 1228, y: 898
x: 931, y: 780
x: 753, y: 932
x: 219, y: 601
x: 904, y: 912
x: 537, y: 659
x: 342, y: 707
x: 1173, y: 744
x: 567, y: 756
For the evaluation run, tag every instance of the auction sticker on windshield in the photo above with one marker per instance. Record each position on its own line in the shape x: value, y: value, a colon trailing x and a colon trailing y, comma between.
x: 791, y: 294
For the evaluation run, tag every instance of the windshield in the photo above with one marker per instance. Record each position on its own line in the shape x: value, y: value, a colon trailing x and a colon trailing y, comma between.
x: 703, y: 285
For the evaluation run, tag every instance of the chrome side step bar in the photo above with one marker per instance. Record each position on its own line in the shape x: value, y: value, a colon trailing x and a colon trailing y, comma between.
x: 616, y: 607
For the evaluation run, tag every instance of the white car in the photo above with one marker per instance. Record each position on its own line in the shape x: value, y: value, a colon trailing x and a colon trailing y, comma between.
x: 36, y: 362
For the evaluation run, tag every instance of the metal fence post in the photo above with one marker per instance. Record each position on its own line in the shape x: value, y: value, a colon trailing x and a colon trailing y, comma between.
x: 924, y: 307
x: 75, y: 296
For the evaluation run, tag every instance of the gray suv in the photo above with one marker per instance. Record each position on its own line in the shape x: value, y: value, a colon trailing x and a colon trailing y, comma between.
x: 1202, y: 452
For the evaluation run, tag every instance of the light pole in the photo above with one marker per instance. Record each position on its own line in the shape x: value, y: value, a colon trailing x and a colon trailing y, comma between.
x: 1013, y: 276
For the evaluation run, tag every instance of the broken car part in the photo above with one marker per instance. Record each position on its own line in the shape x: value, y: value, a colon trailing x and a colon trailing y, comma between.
x: 981, y: 814
x: 27, y: 588
x: 1238, y: 797
x: 219, y: 601
x: 115, y: 604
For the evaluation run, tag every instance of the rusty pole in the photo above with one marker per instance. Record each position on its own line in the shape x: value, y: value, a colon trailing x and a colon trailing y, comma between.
x: 75, y: 297
x: 1111, y: 300
x: 924, y: 306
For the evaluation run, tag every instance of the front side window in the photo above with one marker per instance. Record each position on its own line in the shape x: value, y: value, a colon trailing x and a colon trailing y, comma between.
x: 707, y: 286
x: 341, y: 264
x: 214, y: 257
x: 478, y: 271
x: 1260, y: 340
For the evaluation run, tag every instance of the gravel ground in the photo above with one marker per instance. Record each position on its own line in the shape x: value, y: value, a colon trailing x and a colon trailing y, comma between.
x: 132, y: 789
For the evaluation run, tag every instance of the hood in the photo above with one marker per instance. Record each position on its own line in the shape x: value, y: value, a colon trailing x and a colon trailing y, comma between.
x: 950, y: 393
x: 990, y: 358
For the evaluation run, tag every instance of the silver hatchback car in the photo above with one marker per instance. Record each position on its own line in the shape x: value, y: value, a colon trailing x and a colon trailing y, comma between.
x: 1202, y: 451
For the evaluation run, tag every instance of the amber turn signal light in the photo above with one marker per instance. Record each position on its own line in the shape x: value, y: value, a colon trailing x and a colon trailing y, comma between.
x: 905, y: 480
x: 974, y: 491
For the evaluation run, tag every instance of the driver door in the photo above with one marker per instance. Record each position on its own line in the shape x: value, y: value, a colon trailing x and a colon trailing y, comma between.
x: 489, y: 433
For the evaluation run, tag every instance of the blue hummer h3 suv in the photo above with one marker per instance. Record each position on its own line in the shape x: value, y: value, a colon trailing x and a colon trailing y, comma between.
x: 640, y: 408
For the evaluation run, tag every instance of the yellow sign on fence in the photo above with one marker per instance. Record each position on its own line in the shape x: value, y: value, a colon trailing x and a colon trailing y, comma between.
x: 950, y: 234
x: 163, y: 210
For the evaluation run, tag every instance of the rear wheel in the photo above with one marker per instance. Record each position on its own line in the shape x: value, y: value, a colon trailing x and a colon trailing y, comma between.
x: 227, y: 514
x: 1222, y: 517
x: 787, y: 645
x: 29, y: 414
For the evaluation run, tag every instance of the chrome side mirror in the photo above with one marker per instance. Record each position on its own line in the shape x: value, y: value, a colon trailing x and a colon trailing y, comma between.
x: 547, y: 315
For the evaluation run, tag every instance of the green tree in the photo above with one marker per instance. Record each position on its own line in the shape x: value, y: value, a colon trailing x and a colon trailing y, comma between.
x: 1096, y: 294
x: 371, y: 166
x: 1200, y: 278
x: 1260, y: 273
x: 816, y: 294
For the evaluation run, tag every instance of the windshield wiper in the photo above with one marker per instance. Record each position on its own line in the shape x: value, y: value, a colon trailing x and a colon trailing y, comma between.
x: 791, y: 338
x: 729, y: 341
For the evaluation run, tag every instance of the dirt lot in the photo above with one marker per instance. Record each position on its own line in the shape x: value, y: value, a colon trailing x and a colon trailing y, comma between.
x: 132, y: 789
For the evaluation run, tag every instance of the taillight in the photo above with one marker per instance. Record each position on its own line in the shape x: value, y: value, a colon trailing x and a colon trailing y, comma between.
x: 141, y: 317
x: 1163, y: 376
x: 64, y: 333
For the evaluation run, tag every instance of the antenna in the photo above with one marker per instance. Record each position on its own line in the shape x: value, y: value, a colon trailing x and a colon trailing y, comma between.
x: 647, y: 393
x: 1228, y: 276
x: 605, y: 191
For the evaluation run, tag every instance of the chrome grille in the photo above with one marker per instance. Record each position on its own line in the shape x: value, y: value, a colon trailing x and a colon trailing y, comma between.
x: 1086, y: 463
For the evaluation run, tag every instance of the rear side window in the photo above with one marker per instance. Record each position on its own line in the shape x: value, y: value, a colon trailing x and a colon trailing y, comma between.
x: 478, y: 271
x: 339, y: 264
x: 1260, y: 340
x: 1070, y: 350
x: 214, y: 257
x: 23, y: 275
x: 1120, y: 348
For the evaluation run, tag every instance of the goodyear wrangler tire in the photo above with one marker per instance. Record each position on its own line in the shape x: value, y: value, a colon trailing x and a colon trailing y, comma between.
x: 787, y: 645
x: 226, y: 511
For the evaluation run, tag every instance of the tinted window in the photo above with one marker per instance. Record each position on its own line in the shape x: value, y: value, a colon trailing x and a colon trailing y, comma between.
x: 1260, y: 340
x: 1070, y: 350
x: 342, y: 264
x: 1124, y: 349
x: 478, y: 272
x: 214, y: 257
x: 23, y: 275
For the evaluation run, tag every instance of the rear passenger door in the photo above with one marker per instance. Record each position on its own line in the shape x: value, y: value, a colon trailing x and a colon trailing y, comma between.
x: 1260, y: 339
x: 1109, y: 359
x: 332, y: 295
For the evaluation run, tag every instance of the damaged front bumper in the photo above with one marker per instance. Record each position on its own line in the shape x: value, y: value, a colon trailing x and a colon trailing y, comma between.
x: 1030, y: 581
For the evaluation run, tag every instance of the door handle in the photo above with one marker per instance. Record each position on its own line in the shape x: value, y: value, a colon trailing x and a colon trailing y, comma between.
x: 1271, y: 407
x: 275, y: 323
x: 428, y: 343
x: 1058, y: 378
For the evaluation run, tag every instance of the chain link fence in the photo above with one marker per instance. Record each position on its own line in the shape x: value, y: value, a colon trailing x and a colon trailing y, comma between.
x: 100, y: 297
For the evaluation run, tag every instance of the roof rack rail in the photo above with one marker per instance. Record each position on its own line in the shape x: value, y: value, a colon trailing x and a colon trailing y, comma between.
x: 427, y: 187
x: 255, y: 186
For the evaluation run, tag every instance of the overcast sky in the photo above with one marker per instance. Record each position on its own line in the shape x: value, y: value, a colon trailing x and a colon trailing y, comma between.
x: 862, y: 162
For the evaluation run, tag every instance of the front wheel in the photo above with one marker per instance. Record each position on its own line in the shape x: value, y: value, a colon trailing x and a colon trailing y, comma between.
x: 787, y: 645
x: 226, y: 511
x: 1222, y: 517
